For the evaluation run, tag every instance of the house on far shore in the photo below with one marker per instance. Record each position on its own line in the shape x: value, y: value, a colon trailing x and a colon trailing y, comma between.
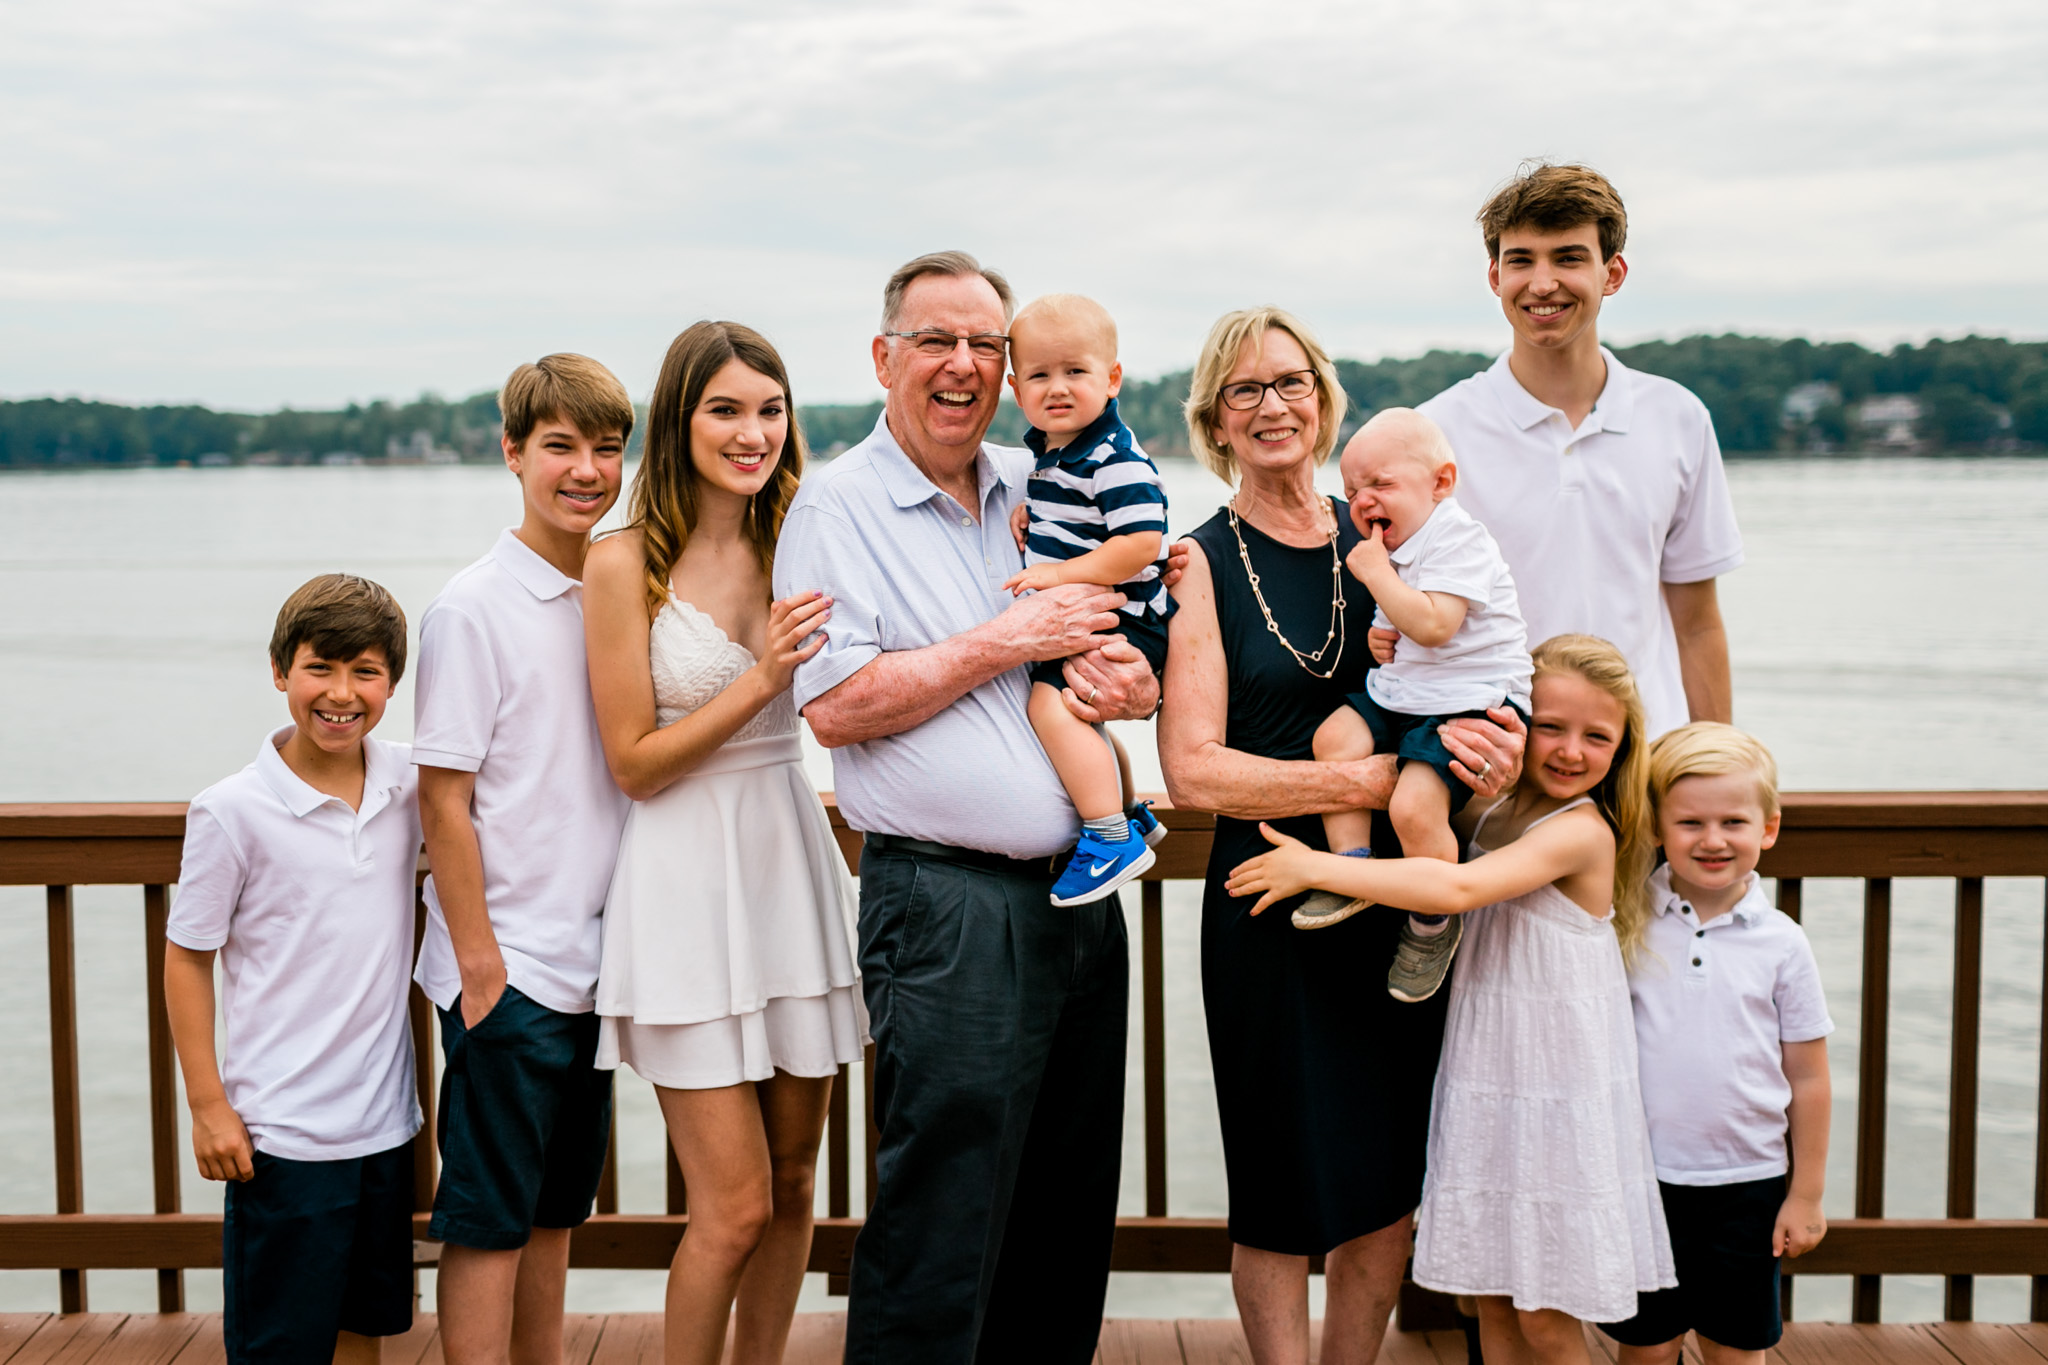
x: 1889, y: 420
x: 418, y: 448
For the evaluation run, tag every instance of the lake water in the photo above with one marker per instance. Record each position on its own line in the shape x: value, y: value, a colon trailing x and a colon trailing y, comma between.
x: 1888, y: 632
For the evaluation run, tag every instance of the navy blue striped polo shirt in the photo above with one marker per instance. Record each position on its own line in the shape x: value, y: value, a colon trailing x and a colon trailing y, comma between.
x: 1098, y: 485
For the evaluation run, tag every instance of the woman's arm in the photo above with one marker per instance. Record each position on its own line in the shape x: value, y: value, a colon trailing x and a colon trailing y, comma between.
x: 645, y: 759
x: 1557, y: 850
x: 1201, y: 771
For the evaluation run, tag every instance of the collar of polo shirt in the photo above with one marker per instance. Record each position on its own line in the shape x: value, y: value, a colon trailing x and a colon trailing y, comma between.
x: 1612, y: 411
x: 908, y: 485
x: 1748, y: 910
x: 528, y: 569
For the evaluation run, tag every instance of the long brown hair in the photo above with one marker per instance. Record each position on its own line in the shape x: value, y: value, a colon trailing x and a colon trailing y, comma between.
x: 665, y: 492
x: 1623, y: 796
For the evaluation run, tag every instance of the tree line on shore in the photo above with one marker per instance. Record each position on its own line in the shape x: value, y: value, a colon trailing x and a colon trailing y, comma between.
x: 1767, y: 396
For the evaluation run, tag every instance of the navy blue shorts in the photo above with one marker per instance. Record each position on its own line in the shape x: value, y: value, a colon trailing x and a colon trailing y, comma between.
x: 526, y: 1119
x: 1727, y: 1277
x: 1414, y: 739
x: 1147, y: 635
x: 311, y: 1248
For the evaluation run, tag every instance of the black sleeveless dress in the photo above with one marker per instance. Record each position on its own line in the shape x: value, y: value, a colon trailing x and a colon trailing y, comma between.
x: 1323, y: 1080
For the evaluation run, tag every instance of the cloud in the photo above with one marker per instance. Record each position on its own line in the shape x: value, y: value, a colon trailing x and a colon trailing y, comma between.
x: 250, y: 204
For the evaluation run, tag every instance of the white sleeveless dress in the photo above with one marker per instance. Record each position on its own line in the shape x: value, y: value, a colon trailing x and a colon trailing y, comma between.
x: 728, y: 931
x: 1540, y: 1185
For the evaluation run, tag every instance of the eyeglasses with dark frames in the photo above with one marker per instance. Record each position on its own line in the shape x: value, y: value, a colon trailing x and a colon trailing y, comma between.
x: 934, y: 343
x: 1247, y: 394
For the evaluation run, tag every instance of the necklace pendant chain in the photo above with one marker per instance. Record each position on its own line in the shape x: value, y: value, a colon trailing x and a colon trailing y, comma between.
x: 1336, y: 632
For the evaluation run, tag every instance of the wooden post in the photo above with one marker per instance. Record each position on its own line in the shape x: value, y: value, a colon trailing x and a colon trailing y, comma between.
x: 1866, y: 1302
x: 64, y: 1083
x: 163, y: 1084
x: 608, y: 1179
x: 1959, y: 1292
x: 1153, y: 961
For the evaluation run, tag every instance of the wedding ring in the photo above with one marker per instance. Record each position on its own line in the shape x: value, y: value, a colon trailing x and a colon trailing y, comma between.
x: 1486, y: 769
x: 1091, y: 695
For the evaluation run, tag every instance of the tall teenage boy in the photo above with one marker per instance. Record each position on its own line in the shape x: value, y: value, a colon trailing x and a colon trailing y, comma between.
x: 1602, y: 485
x: 299, y: 870
x: 522, y: 823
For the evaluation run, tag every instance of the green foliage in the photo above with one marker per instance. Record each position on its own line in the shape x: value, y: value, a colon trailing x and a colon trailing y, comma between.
x: 1977, y: 393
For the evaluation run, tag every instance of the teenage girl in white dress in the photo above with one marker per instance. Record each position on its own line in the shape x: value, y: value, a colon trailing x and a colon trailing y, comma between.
x: 728, y: 976
x: 1540, y: 1198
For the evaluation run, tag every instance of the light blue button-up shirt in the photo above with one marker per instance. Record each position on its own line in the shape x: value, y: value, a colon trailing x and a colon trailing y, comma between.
x: 907, y: 566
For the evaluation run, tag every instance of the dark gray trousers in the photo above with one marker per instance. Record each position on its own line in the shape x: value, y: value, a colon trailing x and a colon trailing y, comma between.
x: 999, y: 1023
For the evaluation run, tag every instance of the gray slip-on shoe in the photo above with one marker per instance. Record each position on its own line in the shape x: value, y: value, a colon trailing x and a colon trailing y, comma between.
x: 1421, y: 963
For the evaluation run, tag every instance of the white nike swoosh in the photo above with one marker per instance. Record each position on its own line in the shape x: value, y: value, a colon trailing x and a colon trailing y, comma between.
x: 1100, y: 868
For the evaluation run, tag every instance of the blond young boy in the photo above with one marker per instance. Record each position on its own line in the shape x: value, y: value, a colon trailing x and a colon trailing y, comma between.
x: 522, y: 823
x: 1096, y: 513
x: 1438, y: 578
x: 1731, y: 1032
x: 298, y: 872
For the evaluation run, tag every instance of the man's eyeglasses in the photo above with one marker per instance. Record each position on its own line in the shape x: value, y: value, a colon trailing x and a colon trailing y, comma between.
x: 937, y: 344
x: 1249, y: 393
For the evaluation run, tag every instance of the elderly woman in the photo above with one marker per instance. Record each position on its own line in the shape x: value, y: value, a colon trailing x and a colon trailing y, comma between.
x: 1322, y: 1080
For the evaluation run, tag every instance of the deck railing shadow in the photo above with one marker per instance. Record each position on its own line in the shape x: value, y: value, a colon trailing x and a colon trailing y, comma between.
x: 1874, y: 837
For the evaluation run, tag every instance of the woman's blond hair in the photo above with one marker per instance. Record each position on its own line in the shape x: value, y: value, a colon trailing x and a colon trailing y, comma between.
x: 1707, y: 748
x: 665, y: 491
x: 1623, y: 796
x: 1219, y: 357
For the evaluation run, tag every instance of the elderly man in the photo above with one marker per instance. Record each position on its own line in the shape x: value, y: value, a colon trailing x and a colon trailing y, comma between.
x: 999, y: 1021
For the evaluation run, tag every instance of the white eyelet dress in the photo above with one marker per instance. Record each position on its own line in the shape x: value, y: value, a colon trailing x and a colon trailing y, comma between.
x: 728, y: 931
x: 1541, y: 1187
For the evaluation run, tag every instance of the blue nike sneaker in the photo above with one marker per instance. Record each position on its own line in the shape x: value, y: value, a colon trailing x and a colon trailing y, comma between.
x: 1097, y: 869
x: 1148, y: 824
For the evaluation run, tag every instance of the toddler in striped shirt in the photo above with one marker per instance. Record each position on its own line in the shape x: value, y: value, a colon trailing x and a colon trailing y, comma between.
x: 1095, y: 513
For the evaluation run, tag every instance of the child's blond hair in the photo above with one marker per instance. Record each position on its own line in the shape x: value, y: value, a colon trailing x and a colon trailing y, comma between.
x: 1707, y: 748
x: 1622, y: 797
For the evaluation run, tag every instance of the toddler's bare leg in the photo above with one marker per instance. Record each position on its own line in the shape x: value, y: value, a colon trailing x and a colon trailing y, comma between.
x: 1123, y: 769
x: 1343, y: 737
x: 1421, y: 812
x: 1087, y: 767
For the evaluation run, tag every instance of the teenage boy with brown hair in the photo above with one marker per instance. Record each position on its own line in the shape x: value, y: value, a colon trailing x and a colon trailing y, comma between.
x: 1602, y: 485
x: 522, y: 822
x: 298, y: 871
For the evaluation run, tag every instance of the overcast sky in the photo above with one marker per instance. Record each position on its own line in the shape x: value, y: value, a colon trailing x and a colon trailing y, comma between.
x: 248, y: 204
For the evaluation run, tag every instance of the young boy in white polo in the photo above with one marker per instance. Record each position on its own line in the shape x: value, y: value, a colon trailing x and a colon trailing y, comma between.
x: 522, y: 823
x: 298, y: 871
x: 1602, y: 484
x: 1731, y: 1040
x: 1437, y: 577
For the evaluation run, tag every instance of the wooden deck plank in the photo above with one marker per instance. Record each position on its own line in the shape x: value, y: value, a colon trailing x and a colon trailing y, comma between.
x: 1416, y: 1348
x: 814, y: 1339
x: 149, y: 1339
x: 1138, y: 1341
x: 204, y: 1347
x: 1842, y: 1343
x: 413, y: 1347
x: 69, y: 1339
x: 1983, y: 1343
x: 629, y: 1339
x: 580, y: 1334
x: 1212, y: 1341
x: 16, y: 1329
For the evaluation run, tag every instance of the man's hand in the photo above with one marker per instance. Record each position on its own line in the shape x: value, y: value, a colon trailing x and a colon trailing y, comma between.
x: 1057, y: 622
x: 483, y: 984
x: 1381, y: 641
x: 1037, y: 578
x: 221, y: 1143
x: 1487, y: 754
x: 1111, y: 682
x: 1020, y: 519
x: 1800, y: 1227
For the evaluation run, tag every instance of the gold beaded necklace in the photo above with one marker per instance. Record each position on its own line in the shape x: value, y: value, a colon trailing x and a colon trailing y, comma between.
x: 1336, y: 632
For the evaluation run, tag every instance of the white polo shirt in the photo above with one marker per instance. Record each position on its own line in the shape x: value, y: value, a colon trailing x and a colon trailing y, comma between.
x: 907, y: 566
x: 311, y: 906
x: 1487, y: 659
x: 1714, y: 1004
x: 504, y: 692
x: 1594, y: 520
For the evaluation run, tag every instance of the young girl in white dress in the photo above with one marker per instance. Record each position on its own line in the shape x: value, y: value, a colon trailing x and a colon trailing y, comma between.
x: 1541, y: 1198
x: 728, y: 977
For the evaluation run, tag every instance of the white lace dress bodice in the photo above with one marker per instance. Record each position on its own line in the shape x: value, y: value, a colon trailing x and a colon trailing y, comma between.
x: 728, y: 930
x: 1540, y: 1184
x: 693, y: 660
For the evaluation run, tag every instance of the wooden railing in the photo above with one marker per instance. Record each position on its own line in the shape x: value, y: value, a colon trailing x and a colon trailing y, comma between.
x: 1874, y: 837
